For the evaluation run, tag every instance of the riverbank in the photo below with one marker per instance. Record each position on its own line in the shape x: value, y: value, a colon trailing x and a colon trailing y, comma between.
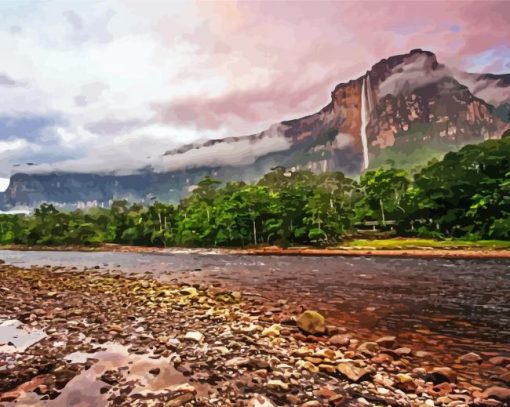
x: 396, y: 247
x: 106, y: 339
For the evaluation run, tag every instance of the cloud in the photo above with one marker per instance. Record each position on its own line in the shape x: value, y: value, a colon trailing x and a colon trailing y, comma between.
x: 416, y: 71
x: 251, y: 110
x: 12, y: 149
x: 127, y: 80
x: 7, y: 81
x: 94, y: 29
x: 236, y: 152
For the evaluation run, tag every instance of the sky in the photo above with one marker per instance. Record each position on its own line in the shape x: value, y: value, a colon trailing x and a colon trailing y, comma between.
x: 101, y: 86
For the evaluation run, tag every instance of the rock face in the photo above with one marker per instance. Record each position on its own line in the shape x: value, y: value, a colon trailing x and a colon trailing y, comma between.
x: 402, y: 103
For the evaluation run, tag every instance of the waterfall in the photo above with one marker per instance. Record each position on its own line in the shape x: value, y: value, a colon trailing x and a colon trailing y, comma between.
x: 370, y: 95
x: 364, y: 122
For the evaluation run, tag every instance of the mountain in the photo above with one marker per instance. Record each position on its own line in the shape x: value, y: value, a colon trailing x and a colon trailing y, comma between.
x: 405, y: 104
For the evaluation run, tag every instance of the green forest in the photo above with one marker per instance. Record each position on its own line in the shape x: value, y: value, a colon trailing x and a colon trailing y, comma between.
x: 464, y: 195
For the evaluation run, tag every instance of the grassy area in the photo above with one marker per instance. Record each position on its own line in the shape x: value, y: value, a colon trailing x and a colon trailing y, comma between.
x: 413, y: 243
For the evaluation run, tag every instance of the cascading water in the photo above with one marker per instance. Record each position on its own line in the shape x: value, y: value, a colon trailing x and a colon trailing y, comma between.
x: 364, y: 122
x: 370, y: 96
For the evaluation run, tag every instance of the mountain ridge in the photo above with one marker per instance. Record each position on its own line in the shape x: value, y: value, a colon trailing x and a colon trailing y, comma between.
x: 403, y: 99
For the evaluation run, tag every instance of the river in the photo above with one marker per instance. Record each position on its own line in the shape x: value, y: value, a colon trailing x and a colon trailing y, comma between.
x: 446, y: 306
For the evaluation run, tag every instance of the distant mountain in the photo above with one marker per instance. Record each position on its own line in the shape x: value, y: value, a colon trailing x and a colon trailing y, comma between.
x: 402, y: 104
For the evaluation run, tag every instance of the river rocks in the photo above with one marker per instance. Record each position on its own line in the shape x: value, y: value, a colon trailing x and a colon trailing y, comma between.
x: 443, y: 374
x: 382, y: 358
x: 340, y: 340
x: 236, y: 362
x: 311, y: 322
x: 368, y: 348
x: 260, y: 401
x: 111, y: 377
x: 352, y: 372
x: 498, y: 393
x: 500, y: 360
x: 406, y: 383
x: 326, y: 393
x: 277, y: 385
x: 273, y: 330
x: 387, y: 342
x: 403, y: 351
x: 505, y: 377
x: 180, y: 400
x: 116, y: 328
x: 215, y: 350
x: 228, y: 297
x: 302, y: 364
x: 470, y: 358
x: 194, y: 336
x: 189, y: 291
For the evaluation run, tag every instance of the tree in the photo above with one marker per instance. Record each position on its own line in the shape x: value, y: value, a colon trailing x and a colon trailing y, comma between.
x: 383, y: 191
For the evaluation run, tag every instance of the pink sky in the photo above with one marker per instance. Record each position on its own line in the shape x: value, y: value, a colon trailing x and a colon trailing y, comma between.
x: 305, y: 48
x: 140, y: 78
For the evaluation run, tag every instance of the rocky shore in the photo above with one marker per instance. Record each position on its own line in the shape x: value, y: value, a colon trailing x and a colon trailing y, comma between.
x: 105, y: 339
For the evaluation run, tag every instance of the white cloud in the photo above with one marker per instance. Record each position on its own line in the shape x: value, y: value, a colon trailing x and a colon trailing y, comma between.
x: 12, y: 145
x: 11, y: 150
x: 102, y: 68
x: 4, y: 183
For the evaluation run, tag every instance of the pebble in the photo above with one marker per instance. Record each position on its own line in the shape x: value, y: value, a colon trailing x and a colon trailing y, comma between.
x: 312, y: 322
x: 277, y: 385
x: 194, y: 336
x: 470, y: 358
x: 273, y: 330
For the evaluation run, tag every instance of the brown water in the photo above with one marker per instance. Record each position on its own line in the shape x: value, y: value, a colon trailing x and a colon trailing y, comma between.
x: 451, y: 306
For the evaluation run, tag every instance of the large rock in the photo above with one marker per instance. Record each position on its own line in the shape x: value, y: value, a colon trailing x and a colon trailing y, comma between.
x: 312, y: 322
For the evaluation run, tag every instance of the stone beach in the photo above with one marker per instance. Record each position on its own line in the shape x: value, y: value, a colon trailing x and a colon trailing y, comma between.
x: 102, y: 338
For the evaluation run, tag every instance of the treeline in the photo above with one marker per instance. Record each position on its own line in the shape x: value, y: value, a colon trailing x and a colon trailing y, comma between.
x: 465, y: 195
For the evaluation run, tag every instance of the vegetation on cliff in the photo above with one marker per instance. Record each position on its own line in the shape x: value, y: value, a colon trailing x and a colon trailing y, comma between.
x: 465, y: 195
